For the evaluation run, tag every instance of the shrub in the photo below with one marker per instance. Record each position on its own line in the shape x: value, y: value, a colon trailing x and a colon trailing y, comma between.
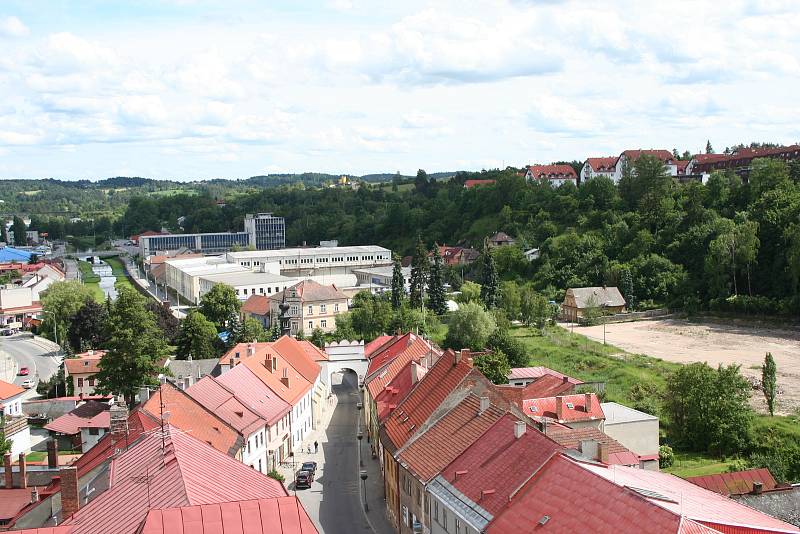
x: 665, y: 456
x: 276, y: 475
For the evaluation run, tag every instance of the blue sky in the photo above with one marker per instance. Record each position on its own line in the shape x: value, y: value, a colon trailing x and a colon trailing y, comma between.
x: 189, y: 89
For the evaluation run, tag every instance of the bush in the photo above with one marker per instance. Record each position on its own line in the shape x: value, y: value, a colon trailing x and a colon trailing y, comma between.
x: 276, y: 475
x: 665, y: 456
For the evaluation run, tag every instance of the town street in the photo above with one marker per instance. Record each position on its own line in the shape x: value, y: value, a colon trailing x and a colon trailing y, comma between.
x: 35, y: 353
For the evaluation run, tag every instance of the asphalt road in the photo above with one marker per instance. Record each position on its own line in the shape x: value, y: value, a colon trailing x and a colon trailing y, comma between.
x: 338, y: 509
x: 32, y: 353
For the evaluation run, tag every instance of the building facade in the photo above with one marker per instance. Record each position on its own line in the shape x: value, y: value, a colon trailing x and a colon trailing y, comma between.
x: 311, y: 306
x: 555, y: 175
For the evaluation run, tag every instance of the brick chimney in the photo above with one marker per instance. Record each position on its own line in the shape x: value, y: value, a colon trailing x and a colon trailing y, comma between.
x: 519, y: 429
x: 588, y: 398
x: 456, y: 357
x: 758, y: 487
x: 230, y: 362
x: 119, y: 425
x: 52, y: 454
x: 602, y: 452
x: 23, y: 471
x: 8, y: 471
x: 559, y: 408
x: 70, y: 496
x: 285, y: 377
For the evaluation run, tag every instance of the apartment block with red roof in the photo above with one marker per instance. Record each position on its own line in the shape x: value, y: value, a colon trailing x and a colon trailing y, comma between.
x: 594, y: 167
x: 555, y: 175
x: 629, y: 157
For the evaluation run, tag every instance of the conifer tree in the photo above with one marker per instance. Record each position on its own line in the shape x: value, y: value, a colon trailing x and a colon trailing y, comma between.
x: 436, y: 284
x: 489, y: 282
x: 419, y: 270
x: 769, y: 381
x: 398, y: 287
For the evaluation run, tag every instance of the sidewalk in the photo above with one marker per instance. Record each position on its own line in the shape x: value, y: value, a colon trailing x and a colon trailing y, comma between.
x: 377, y: 515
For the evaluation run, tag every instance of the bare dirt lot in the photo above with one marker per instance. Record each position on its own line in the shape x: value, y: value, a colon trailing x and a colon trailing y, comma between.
x: 715, y: 342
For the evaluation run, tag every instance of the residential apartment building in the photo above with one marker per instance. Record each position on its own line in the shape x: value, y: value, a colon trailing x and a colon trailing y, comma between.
x: 740, y: 161
x: 262, y: 231
x: 629, y: 157
x: 555, y: 175
x: 311, y: 306
x: 82, y: 370
x: 594, y: 167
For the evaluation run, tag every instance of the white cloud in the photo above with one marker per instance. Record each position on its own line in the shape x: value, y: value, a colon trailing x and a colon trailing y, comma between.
x: 13, y: 27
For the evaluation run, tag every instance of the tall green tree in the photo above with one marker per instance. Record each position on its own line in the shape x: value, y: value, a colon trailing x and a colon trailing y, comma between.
x: 769, y: 381
x: 510, y: 299
x: 4, y: 237
x: 220, y: 305
x: 470, y: 292
x: 87, y: 328
x: 490, y: 291
x: 626, y: 286
x: 61, y: 301
x: 19, y: 229
x: 494, y: 366
x: 197, y: 337
x: 419, y: 274
x: 470, y: 327
x: 436, y: 296
x: 275, y: 332
x: 136, y: 347
x: 168, y: 323
x: 398, y: 285
x: 370, y: 315
x: 709, y: 148
x: 246, y: 330
x: 534, y: 308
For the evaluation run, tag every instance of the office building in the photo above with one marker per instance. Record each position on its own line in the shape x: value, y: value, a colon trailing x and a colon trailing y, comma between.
x: 314, y: 261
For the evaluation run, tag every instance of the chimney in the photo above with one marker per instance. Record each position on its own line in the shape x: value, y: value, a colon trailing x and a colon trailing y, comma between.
x: 52, y: 454
x: 230, y: 362
x: 588, y: 397
x: 456, y: 357
x: 23, y: 471
x: 414, y: 375
x: 484, y: 405
x: 119, y: 425
x: 519, y: 429
x: 34, y: 495
x: 758, y: 487
x: 285, y: 377
x: 251, y: 349
x: 70, y: 497
x: 559, y: 408
x: 459, y: 473
x: 144, y: 394
x: 564, y: 379
x: 9, y: 472
x: 602, y: 452
x: 274, y: 363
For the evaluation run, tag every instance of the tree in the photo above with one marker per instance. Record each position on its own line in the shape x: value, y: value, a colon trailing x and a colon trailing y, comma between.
x: 769, y: 381
x: 709, y: 148
x: 87, y: 327
x: 510, y: 299
x: 318, y: 338
x: 246, y: 330
x: 470, y: 292
x: 4, y: 237
x: 136, y: 347
x: 398, y: 284
x: 197, y: 337
x: 19, y: 229
x: 370, y: 315
x: 275, y: 332
x: 421, y: 183
x: 419, y: 270
x: 708, y: 409
x: 470, y: 327
x: 61, y: 302
x: 534, y: 308
x: 167, y: 322
x: 665, y: 456
x: 501, y: 340
x: 219, y: 305
x: 494, y: 366
x: 626, y: 286
x: 436, y: 296
x: 5, y: 444
x: 489, y: 282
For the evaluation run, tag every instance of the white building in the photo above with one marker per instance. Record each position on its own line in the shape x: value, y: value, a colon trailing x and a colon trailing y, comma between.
x: 379, y: 279
x: 630, y: 156
x: 16, y: 424
x: 315, y: 261
x: 594, y: 167
x: 638, y: 431
x: 247, y: 283
x: 555, y: 175
x: 183, y: 275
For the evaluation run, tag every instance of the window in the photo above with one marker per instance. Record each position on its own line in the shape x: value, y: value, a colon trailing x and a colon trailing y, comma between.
x: 311, y: 310
x: 458, y: 526
x: 323, y: 308
x: 336, y: 307
x: 323, y: 323
x: 94, y: 431
x: 245, y: 291
x: 444, y: 518
x: 80, y: 382
x: 261, y: 290
x: 311, y: 325
x: 91, y: 381
x: 436, y: 510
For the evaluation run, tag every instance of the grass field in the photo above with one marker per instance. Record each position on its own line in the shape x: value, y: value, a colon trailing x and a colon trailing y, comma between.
x: 118, y: 270
x: 691, y: 464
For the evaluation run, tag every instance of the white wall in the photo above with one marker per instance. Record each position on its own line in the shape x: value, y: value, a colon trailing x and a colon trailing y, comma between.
x: 302, y: 419
x: 255, y: 450
x: 641, y: 437
x: 89, y: 440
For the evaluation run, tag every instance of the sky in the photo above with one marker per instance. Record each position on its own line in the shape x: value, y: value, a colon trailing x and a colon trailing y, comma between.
x: 194, y: 89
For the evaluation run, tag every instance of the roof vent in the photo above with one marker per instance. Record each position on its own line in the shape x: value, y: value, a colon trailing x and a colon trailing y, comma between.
x: 543, y: 521
x: 460, y: 474
x: 570, y: 406
x: 484, y: 493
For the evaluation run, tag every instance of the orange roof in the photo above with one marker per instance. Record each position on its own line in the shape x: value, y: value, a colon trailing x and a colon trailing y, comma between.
x: 383, y: 375
x: 298, y: 355
x: 190, y: 416
x: 605, y: 164
x: 256, y: 304
x: 84, y: 363
x: 9, y: 390
x: 546, y: 386
x: 264, y: 358
x: 312, y: 351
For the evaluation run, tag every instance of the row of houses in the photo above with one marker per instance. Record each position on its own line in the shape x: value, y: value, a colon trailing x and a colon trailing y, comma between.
x: 20, y: 301
x: 461, y: 455
x: 699, y: 167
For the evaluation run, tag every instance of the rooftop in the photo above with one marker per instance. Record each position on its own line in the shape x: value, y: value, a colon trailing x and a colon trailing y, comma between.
x: 254, y: 393
x: 737, y: 482
x: 8, y: 390
x: 312, y: 291
x: 245, y: 277
x: 618, y: 413
x: 573, y: 408
x: 86, y: 362
x: 300, y: 252
x: 224, y: 403
x: 596, y: 296
x: 256, y: 305
x: 91, y: 414
x: 521, y: 373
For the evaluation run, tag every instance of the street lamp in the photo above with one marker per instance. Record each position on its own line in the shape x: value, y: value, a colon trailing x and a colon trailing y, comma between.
x: 360, y: 436
x: 364, y: 484
x: 604, y: 306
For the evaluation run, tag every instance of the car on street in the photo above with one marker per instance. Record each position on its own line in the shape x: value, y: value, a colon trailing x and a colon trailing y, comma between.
x: 303, y: 479
x: 28, y: 384
x: 309, y: 466
x: 24, y: 371
x: 8, y: 331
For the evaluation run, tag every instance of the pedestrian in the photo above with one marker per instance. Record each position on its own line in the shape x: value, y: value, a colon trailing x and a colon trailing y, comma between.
x: 316, y: 447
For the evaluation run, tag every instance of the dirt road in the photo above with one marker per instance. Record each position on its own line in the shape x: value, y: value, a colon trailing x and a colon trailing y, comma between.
x: 714, y: 342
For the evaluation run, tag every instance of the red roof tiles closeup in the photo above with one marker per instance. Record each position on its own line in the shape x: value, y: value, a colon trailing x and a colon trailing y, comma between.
x: 91, y: 414
x: 546, y: 386
x: 387, y: 365
x: 573, y: 408
x: 736, y: 483
x: 225, y: 404
x: 605, y: 164
x: 255, y: 393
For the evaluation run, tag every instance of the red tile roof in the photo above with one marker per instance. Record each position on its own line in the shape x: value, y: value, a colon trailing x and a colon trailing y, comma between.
x: 91, y: 414
x: 521, y: 373
x: 223, y: 402
x: 311, y: 291
x: 553, y: 172
x: 256, y: 305
x: 255, y: 393
x: 664, y: 155
x: 394, y: 392
x: 313, y: 351
x: 380, y: 376
x: 441, y: 443
x: 736, y: 483
x: 606, y: 164
x: 375, y: 344
x: 12, y: 501
x: 281, y: 515
x: 84, y: 363
x: 469, y: 184
x: 499, y: 462
x: 564, y: 498
x: 387, y: 352
x: 546, y: 386
x: 185, y: 413
x: 8, y: 390
x: 147, y: 476
x: 286, y: 348
x: 571, y: 438
x: 427, y: 395
x: 681, y: 497
x: 546, y: 407
x: 298, y: 385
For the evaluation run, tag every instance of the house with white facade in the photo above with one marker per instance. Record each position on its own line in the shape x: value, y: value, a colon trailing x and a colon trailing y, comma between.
x: 594, y: 167
x: 15, y: 424
x: 555, y: 175
x: 628, y: 157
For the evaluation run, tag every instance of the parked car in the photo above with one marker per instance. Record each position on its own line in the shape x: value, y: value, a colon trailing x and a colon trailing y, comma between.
x: 303, y: 479
x: 28, y: 384
x: 24, y: 371
x: 310, y: 467
x: 8, y: 331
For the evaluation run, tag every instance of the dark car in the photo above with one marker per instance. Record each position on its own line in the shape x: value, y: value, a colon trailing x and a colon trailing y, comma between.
x: 23, y: 371
x: 303, y: 479
x: 311, y: 467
